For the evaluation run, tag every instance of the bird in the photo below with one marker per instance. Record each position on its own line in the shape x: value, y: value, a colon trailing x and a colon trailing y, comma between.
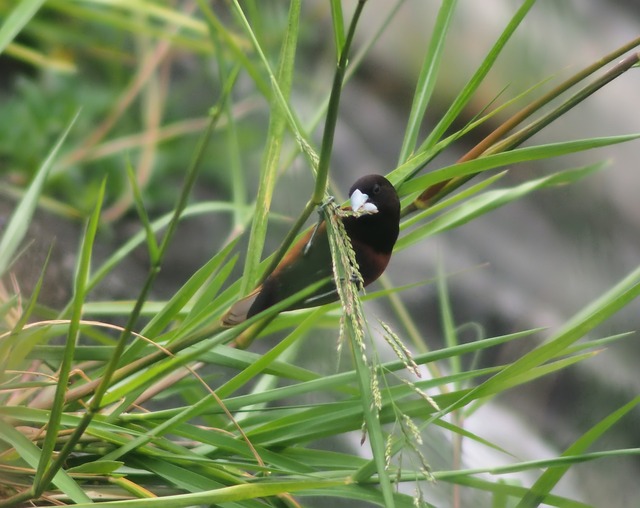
x: 372, y: 235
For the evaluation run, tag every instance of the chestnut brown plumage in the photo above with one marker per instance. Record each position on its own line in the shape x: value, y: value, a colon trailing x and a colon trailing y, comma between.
x: 372, y: 237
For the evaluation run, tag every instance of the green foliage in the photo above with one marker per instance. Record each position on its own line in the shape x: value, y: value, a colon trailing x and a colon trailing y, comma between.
x: 126, y: 400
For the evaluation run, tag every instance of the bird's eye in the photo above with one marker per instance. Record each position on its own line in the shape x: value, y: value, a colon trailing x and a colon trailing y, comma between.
x: 376, y: 189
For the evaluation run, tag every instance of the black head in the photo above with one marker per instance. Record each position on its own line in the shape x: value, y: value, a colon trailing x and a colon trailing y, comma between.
x: 380, y: 193
x: 378, y: 229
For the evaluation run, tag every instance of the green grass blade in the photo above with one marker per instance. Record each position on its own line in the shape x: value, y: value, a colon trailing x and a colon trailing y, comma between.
x: 365, y: 494
x: 189, y: 480
x: 233, y: 148
x: 215, y: 25
x: 321, y: 164
x: 269, y: 168
x: 488, y: 201
x: 138, y: 239
x: 21, y: 217
x: 206, y: 299
x: 234, y: 151
x: 526, y: 154
x: 542, y: 487
x: 239, y: 54
x: 470, y: 88
x: 503, y: 491
x: 536, y: 464
x: 226, y: 494
x: 31, y: 454
x: 353, y: 327
x: 46, y: 469
x: 536, y: 126
x: 152, y: 244
x: 324, y: 160
x: 16, y: 20
x: 427, y: 79
x: 461, y: 196
x: 170, y: 310
x: 446, y: 316
x: 592, y: 315
x: 337, y: 17
x: 265, y: 360
x: 537, y: 104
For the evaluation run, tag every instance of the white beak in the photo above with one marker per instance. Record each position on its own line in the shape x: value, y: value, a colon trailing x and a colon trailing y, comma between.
x: 360, y: 202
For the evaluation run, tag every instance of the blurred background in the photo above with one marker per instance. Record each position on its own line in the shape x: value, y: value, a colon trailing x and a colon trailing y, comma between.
x: 534, y: 263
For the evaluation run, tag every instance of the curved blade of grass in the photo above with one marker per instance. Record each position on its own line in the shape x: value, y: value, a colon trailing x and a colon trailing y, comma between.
x: 171, y: 309
x: 16, y: 20
x: 420, y: 411
x: 470, y: 88
x: 152, y: 244
x: 225, y: 494
x: 526, y: 132
x: 542, y: 487
x: 530, y: 153
x: 436, y: 192
x: 447, y: 320
x: 584, y: 321
x: 103, y: 467
x: 365, y: 494
x: 21, y: 217
x: 598, y: 343
x: 269, y: 170
x: 31, y: 455
x: 233, y: 146
x: 47, y: 467
x: 544, y: 370
x: 537, y: 464
x: 503, y: 491
x: 537, y: 104
x: 490, y: 200
x: 324, y: 160
x: 427, y: 79
x: 167, y: 359
x: 138, y: 239
x: 190, y: 480
x: 463, y: 195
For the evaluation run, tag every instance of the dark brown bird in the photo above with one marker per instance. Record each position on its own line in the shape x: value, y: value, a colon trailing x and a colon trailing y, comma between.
x: 372, y: 237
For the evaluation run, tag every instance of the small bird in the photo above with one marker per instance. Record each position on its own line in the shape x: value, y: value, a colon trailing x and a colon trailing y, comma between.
x: 372, y: 236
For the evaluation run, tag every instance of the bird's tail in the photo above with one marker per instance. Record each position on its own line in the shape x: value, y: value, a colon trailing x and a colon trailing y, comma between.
x: 239, y: 311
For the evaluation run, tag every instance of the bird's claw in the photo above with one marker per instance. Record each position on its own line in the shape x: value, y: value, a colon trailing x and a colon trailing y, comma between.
x: 326, y: 203
x: 321, y: 210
